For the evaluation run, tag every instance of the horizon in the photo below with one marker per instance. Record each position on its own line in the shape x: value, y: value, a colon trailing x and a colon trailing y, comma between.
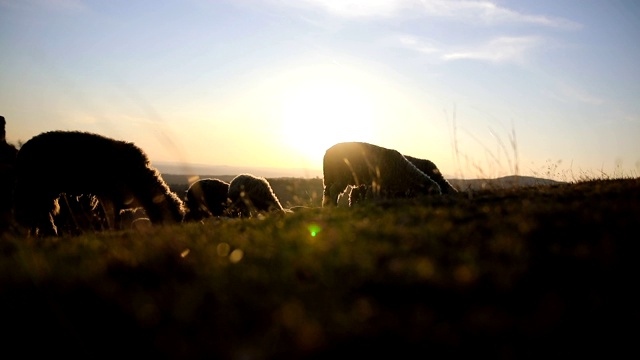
x: 190, y: 169
x: 483, y: 88
x: 200, y: 170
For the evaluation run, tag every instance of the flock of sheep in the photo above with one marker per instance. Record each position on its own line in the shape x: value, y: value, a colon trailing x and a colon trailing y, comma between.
x: 56, y: 178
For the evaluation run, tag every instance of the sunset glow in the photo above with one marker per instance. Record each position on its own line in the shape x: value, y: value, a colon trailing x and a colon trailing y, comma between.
x: 323, y: 108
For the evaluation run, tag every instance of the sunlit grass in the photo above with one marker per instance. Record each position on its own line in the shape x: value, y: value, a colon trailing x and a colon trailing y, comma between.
x: 500, y: 157
x: 469, y: 271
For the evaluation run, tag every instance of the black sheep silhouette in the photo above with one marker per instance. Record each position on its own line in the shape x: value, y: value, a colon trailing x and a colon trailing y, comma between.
x: 385, y: 172
x: 7, y: 173
x: 360, y: 193
x: 251, y: 196
x: 206, y: 198
x: 429, y: 168
x: 79, y: 214
x: 118, y: 173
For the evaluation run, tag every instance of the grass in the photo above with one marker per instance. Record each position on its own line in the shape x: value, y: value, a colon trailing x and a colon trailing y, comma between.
x: 540, y: 271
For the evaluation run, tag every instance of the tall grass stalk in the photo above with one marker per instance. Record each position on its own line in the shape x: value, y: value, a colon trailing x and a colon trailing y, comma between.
x: 493, y: 158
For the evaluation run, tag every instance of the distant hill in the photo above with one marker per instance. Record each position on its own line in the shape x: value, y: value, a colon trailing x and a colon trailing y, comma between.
x: 501, y: 182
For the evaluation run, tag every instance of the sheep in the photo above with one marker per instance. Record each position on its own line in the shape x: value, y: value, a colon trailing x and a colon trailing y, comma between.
x: 429, y: 168
x: 141, y: 224
x: 118, y: 173
x: 78, y: 214
x: 357, y: 194
x: 251, y: 195
x: 206, y: 198
x: 129, y: 216
x: 8, y: 154
x: 386, y: 172
x: 360, y: 193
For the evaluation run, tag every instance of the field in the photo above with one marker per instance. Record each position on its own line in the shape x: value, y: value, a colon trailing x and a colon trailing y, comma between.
x: 509, y: 273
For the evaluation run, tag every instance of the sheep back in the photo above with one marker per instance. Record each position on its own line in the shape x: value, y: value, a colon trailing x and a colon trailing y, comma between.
x: 385, y: 171
x: 73, y: 162
x: 429, y: 168
x: 206, y: 198
x: 250, y: 195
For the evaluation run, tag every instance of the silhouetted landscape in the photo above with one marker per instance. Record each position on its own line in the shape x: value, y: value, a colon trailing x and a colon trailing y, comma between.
x: 319, y: 179
x: 503, y: 272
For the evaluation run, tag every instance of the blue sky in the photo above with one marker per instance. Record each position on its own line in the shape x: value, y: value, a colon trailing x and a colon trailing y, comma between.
x: 482, y: 88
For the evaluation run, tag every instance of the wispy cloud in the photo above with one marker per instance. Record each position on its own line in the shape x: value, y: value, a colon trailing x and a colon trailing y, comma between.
x: 489, y: 13
x: 498, y: 50
x: 567, y: 92
x: 354, y: 8
x: 468, y: 11
x: 504, y: 49
x: 419, y: 45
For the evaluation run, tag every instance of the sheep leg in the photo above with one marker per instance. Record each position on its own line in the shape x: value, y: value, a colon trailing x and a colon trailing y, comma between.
x: 45, y: 227
x: 331, y: 194
x: 43, y: 223
x: 326, y: 201
x: 37, y: 215
x: 109, y: 209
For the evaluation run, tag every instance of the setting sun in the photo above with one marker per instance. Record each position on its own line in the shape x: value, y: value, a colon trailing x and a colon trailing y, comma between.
x: 323, y: 107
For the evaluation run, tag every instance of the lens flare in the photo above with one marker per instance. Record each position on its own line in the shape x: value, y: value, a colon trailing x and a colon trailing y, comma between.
x: 314, y: 229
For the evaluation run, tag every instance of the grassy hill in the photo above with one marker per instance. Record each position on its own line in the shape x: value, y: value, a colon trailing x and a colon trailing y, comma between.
x: 510, y: 273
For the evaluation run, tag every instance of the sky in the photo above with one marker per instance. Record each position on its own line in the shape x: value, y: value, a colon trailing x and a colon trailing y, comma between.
x: 484, y: 89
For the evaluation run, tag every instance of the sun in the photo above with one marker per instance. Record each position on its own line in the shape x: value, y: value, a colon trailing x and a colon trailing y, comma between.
x: 323, y: 109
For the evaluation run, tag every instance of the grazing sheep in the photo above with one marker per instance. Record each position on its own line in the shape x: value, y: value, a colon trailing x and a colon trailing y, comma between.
x: 8, y: 154
x: 128, y: 217
x: 429, y: 168
x: 358, y: 194
x: 118, y: 173
x: 250, y: 195
x: 386, y: 172
x: 206, y: 198
x: 141, y: 224
x: 78, y: 214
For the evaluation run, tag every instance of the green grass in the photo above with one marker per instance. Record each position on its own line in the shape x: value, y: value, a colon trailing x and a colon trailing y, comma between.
x: 541, y: 271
